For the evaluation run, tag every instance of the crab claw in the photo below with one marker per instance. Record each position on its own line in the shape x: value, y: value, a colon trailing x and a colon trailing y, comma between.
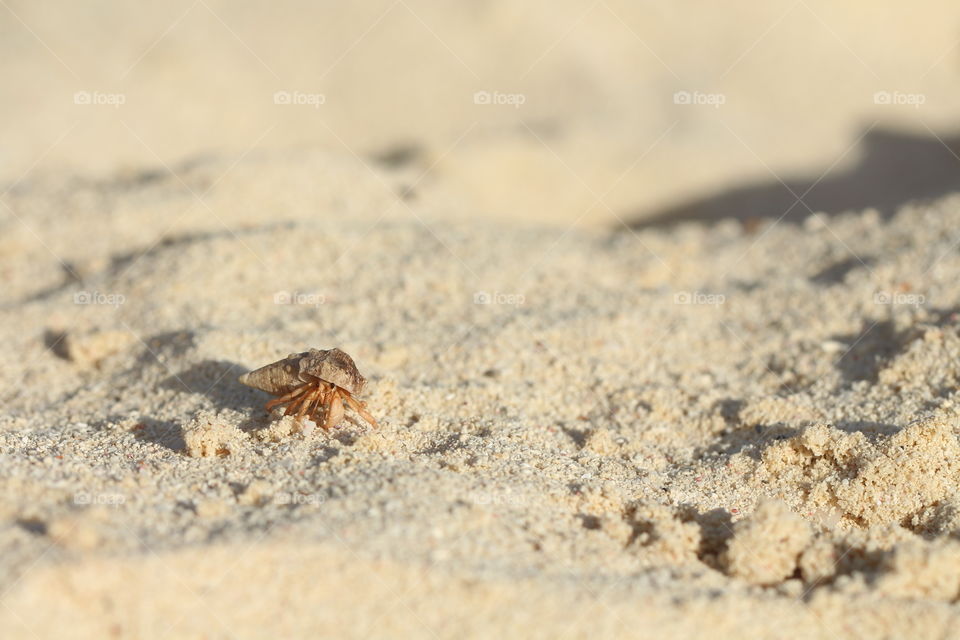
x: 334, y: 411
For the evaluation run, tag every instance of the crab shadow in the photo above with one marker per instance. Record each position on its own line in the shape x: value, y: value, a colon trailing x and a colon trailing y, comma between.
x: 214, y: 379
x: 216, y: 382
x: 895, y: 168
x: 166, y: 433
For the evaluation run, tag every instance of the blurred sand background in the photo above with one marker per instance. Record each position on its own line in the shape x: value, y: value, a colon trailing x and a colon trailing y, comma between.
x: 658, y: 303
x: 597, y: 80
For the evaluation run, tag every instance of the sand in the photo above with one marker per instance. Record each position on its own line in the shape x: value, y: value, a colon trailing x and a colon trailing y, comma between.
x: 622, y: 391
x: 578, y: 431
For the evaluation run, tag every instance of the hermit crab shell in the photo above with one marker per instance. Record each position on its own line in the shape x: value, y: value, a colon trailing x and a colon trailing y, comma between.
x: 283, y: 376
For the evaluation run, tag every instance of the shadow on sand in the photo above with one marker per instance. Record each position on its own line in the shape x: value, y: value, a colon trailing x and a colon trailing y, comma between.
x: 894, y: 168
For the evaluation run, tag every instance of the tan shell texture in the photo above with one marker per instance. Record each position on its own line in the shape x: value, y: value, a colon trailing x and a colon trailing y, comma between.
x: 283, y: 376
x: 333, y: 365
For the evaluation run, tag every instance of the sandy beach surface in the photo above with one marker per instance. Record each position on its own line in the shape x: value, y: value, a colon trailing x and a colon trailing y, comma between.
x: 644, y: 365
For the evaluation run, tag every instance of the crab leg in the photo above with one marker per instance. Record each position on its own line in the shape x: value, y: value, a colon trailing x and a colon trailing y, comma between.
x: 293, y: 394
x: 359, y: 407
x: 334, y: 409
x: 318, y: 397
x: 293, y: 406
x: 298, y: 402
x: 309, y: 399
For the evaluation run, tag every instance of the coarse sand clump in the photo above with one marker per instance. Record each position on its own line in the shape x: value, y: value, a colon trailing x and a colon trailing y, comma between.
x: 208, y: 435
x: 889, y: 481
x: 766, y: 546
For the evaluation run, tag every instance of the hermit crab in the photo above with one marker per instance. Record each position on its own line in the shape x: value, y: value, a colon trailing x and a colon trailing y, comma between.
x: 315, y: 383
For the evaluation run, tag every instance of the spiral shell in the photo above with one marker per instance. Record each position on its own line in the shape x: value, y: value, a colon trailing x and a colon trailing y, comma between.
x: 283, y: 376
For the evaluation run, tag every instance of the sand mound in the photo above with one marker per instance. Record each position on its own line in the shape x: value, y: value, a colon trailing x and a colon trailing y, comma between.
x: 894, y: 481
